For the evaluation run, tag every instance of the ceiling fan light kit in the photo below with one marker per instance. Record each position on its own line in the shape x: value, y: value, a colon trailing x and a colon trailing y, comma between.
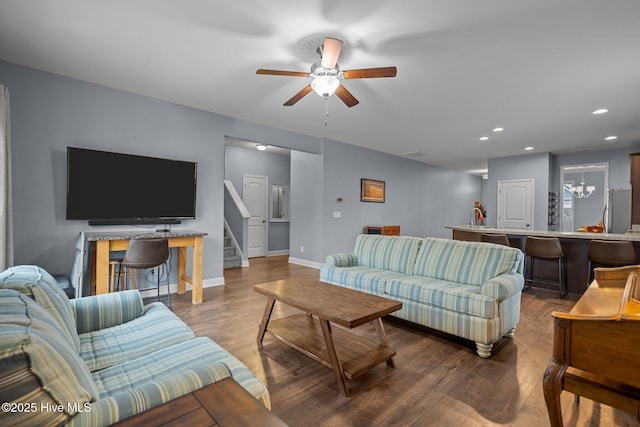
x: 326, y: 75
x: 325, y: 86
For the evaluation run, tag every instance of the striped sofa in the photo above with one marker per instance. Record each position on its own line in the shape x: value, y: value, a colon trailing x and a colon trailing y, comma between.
x: 468, y: 289
x: 97, y: 360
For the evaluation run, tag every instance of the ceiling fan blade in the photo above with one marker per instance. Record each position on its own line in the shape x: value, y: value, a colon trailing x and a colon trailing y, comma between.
x: 283, y: 73
x: 298, y: 96
x: 368, y: 73
x: 346, y: 96
x: 330, y: 52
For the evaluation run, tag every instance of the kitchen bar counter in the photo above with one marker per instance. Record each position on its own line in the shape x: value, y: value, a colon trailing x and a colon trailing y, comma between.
x: 575, y: 246
x: 481, y: 229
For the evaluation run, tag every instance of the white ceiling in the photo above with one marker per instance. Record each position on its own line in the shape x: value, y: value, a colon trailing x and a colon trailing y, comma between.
x: 538, y: 68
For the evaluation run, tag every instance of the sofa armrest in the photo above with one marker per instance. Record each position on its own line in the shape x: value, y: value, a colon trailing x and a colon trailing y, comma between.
x: 503, y: 286
x: 103, y: 311
x: 125, y: 404
x: 347, y: 259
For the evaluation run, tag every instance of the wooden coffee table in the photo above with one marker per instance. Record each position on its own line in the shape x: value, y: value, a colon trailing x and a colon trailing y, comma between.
x: 311, y: 332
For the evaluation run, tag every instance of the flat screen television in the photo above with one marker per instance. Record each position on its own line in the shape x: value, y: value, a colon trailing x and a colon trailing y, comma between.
x: 117, y: 188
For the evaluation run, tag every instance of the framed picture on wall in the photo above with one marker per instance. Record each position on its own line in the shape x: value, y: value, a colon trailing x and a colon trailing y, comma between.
x: 371, y: 190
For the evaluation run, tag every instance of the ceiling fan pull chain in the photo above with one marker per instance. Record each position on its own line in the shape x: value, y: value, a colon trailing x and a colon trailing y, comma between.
x: 326, y: 109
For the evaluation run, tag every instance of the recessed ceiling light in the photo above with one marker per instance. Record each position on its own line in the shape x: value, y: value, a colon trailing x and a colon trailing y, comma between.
x: 600, y: 111
x: 611, y: 138
x: 483, y: 138
x: 498, y: 129
x: 261, y: 147
x: 528, y: 148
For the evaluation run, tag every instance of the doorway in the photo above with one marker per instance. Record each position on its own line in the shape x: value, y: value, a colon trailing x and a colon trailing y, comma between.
x: 515, y: 204
x: 584, y: 195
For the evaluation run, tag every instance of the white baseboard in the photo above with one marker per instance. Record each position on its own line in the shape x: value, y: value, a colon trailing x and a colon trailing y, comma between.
x: 173, y: 287
x: 305, y: 263
x: 278, y: 253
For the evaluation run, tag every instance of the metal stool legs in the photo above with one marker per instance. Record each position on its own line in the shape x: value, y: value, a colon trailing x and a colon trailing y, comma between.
x: 168, y: 286
x: 546, y: 248
x: 562, y: 276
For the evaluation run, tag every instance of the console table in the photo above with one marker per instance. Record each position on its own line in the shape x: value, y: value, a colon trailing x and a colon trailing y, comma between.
x: 104, y: 242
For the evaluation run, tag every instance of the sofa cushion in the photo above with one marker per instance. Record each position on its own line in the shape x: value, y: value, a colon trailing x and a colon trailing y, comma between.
x: 38, y: 284
x: 394, y: 253
x: 365, y: 279
x: 125, y: 404
x: 96, y: 312
x: 157, y: 328
x: 470, y: 263
x: 38, y: 364
x: 446, y: 295
x: 347, y: 259
x: 188, y: 356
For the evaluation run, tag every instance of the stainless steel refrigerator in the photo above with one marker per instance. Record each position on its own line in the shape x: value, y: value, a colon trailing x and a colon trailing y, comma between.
x: 618, y: 210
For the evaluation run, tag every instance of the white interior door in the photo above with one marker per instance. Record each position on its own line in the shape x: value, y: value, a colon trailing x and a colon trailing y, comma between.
x: 255, y: 196
x: 515, y: 204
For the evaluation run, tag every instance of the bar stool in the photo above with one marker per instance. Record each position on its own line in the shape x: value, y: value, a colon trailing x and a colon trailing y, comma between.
x: 546, y: 248
x: 609, y: 253
x: 498, y: 239
x: 148, y: 253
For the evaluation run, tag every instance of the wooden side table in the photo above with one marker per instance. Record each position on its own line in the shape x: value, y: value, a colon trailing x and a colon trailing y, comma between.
x: 385, y: 230
x: 224, y: 403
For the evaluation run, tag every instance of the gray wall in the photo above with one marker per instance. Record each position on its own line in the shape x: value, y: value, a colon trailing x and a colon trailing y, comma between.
x: 532, y: 166
x: 50, y: 112
x: 240, y: 161
x: 544, y: 168
x: 307, y: 177
x: 421, y: 198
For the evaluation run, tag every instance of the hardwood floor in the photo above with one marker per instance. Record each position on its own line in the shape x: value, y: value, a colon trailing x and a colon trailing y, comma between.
x: 438, y: 381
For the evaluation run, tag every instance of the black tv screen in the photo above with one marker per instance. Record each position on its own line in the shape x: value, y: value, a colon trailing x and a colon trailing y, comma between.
x: 117, y: 188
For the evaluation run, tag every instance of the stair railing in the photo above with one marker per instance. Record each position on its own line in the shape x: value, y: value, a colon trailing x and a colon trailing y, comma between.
x: 236, y: 218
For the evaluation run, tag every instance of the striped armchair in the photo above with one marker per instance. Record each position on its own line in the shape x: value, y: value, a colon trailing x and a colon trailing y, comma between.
x: 468, y: 289
x: 100, y: 359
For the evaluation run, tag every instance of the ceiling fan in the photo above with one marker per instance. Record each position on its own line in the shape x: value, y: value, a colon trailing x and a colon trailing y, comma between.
x: 326, y: 75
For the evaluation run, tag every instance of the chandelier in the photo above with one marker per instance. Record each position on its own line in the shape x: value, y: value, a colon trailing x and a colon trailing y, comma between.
x: 581, y: 191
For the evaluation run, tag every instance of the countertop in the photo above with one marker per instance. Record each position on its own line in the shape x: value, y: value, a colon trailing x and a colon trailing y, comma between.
x: 138, y: 234
x: 633, y: 237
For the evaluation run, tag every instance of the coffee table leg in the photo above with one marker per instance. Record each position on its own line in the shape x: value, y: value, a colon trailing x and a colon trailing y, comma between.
x: 382, y: 339
x: 335, y: 360
x: 265, y: 319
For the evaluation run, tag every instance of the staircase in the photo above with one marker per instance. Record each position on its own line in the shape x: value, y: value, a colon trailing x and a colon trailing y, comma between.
x: 231, y: 258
